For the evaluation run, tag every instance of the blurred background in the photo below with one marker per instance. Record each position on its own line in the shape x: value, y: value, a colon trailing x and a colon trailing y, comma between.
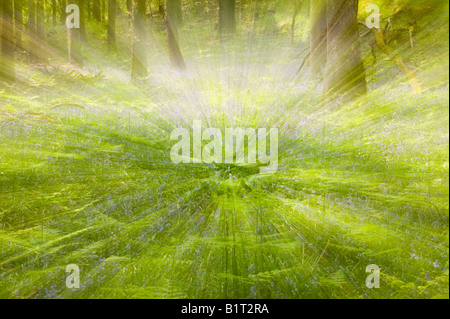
x: 85, y: 171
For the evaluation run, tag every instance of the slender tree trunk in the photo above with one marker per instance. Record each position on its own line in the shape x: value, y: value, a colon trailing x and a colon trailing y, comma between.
x: 18, y: 8
x: 227, y: 17
x: 103, y: 12
x: 40, y: 32
x: 89, y: 9
x: 240, y: 12
x: 63, y: 13
x: 82, y: 30
x: 139, y: 59
x: 96, y: 10
x: 31, y: 26
x: 129, y: 11
x: 318, y: 36
x: 112, y: 15
x: 40, y: 13
x: 54, y: 9
x: 7, y: 69
x: 130, y: 6
x: 179, y: 12
x: 345, y: 74
x: 173, y: 9
x: 161, y: 10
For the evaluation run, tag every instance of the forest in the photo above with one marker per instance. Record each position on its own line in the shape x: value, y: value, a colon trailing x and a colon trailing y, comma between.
x: 353, y: 92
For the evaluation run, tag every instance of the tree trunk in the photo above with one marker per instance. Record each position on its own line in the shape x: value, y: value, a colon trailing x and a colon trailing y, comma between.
x: 18, y: 8
x: 112, y: 15
x: 227, y: 19
x: 174, y: 14
x: 173, y: 9
x: 54, y: 8
x: 7, y: 70
x: 96, y: 10
x: 129, y: 6
x: 318, y: 36
x: 89, y: 9
x: 139, y: 59
x: 345, y: 74
x: 179, y: 12
x: 82, y: 30
x: 63, y: 14
x: 103, y: 10
x: 161, y: 10
x: 40, y: 33
x: 31, y: 26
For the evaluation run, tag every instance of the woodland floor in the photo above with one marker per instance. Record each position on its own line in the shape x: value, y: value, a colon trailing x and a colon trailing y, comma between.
x: 86, y: 179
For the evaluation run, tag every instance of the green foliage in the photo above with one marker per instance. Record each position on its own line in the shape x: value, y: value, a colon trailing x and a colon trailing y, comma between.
x: 86, y: 178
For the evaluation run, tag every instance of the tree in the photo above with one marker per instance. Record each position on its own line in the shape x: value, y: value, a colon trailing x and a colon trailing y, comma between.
x: 112, y: 15
x: 179, y: 12
x: 7, y: 69
x: 129, y: 11
x: 161, y: 9
x: 173, y: 19
x: 318, y: 36
x: 97, y: 10
x: 63, y: 5
x: 103, y: 10
x: 40, y: 33
x: 18, y: 16
x: 294, y: 17
x: 139, y: 55
x: 129, y: 6
x: 31, y: 26
x: 227, y: 17
x: 82, y: 30
x: 54, y: 9
x: 345, y: 74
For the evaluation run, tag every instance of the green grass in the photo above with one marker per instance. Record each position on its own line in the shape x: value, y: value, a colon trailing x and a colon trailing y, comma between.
x: 86, y: 179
